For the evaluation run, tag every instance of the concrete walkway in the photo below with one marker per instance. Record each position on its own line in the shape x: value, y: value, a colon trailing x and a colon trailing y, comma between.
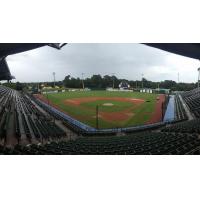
x: 170, y: 112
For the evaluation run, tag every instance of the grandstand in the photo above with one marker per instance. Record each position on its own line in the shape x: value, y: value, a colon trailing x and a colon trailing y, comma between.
x: 22, y: 121
x: 31, y: 126
x: 28, y: 127
x: 179, y: 109
x: 192, y: 99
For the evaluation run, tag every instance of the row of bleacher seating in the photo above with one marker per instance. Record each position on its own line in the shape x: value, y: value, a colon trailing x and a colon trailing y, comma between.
x: 71, y: 123
x: 66, y: 123
x: 180, y: 113
x: 139, y: 143
x: 192, y: 126
x: 6, y: 97
x: 192, y: 99
x: 179, y: 138
x: 29, y: 121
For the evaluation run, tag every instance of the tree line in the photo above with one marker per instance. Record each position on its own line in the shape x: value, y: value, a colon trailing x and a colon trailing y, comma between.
x: 102, y: 82
x: 99, y: 82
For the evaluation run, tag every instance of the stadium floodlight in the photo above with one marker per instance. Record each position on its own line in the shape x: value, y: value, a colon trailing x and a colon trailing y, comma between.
x: 142, y: 80
x: 54, y: 78
x: 158, y: 85
x: 83, y: 86
x: 113, y: 74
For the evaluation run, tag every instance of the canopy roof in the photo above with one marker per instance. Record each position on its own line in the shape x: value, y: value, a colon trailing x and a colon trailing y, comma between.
x: 191, y: 50
x: 13, y: 48
x: 4, y: 70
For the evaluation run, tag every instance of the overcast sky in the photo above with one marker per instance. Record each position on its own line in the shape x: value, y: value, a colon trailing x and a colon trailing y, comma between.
x: 127, y: 61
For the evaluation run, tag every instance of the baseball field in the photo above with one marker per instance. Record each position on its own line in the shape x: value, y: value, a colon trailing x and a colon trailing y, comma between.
x: 115, y: 109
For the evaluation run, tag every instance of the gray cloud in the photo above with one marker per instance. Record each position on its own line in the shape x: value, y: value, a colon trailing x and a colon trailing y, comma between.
x: 125, y: 60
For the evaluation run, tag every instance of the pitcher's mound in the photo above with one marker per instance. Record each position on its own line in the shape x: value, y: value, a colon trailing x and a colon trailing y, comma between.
x: 108, y: 104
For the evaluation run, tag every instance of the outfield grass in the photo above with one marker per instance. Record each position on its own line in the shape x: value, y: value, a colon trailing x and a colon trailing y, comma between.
x: 86, y: 111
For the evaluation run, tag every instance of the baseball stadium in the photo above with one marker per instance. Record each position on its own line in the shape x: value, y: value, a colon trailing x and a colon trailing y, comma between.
x: 116, y: 120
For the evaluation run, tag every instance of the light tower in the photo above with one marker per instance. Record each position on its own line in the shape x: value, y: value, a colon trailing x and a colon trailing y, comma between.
x: 54, y: 78
x: 158, y: 85
x: 142, y: 81
x: 83, y: 86
x: 113, y: 85
x: 198, y: 76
